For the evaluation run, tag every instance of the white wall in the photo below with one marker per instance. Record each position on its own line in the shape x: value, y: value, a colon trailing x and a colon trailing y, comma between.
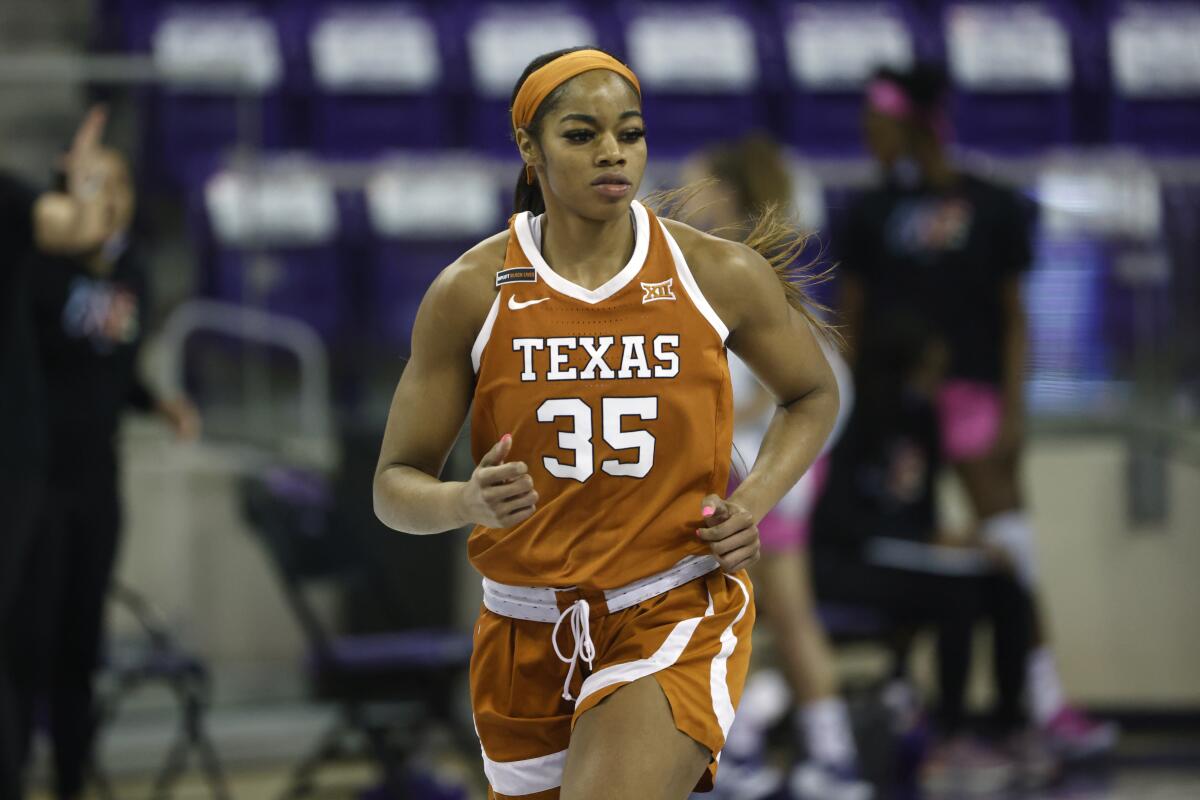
x: 1124, y: 605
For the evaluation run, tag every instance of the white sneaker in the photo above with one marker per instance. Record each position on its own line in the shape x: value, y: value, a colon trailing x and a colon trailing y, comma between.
x: 812, y: 780
x: 746, y: 780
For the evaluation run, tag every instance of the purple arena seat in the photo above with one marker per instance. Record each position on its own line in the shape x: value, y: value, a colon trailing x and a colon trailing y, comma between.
x: 273, y: 242
x: 499, y: 41
x: 423, y: 214
x: 294, y: 516
x: 1013, y: 70
x: 830, y: 51
x: 1155, y: 66
x: 701, y: 68
x: 223, y: 67
x: 375, y: 77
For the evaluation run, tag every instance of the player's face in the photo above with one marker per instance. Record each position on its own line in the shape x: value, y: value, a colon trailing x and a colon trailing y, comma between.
x: 886, y: 137
x: 593, y: 149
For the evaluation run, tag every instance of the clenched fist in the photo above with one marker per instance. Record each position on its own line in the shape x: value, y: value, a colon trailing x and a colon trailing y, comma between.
x: 731, y: 533
x: 499, y: 494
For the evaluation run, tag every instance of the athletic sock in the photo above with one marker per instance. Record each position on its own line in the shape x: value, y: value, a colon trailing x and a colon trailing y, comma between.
x: 1012, y: 532
x: 765, y: 700
x: 825, y: 726
x: 1046, y: 696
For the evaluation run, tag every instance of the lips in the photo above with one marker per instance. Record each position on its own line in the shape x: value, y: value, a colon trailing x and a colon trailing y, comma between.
x: 611, y: 179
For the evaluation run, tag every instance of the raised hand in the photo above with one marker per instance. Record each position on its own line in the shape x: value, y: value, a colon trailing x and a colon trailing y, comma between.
x: 83, y: 163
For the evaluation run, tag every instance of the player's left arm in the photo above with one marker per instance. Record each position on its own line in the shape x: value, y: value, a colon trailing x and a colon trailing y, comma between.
x: 779, y: 346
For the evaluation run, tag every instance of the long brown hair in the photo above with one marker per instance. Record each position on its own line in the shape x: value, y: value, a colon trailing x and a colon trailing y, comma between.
x: 755, y: 170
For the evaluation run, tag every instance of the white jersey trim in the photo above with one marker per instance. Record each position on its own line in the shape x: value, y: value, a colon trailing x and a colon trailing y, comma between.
x: 662, y: 658
x: 528, y: 776
x: 718, y: 674
x: 528, y: 230
x: 485, y: 333
x: 540, y: 605
x: 691, y: 287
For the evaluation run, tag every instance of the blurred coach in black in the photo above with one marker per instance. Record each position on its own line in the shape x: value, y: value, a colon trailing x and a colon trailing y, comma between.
x: 89, y: 317
x: 71, y: 221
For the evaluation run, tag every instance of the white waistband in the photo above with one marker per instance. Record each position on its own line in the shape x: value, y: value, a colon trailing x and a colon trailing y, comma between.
x: 540, y: 605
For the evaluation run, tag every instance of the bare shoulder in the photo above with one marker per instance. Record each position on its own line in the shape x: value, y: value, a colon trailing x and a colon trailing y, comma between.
x: 458, y: 300
x: 730, y: 275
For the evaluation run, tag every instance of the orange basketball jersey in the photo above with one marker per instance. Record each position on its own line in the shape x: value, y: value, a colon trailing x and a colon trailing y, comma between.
x: 618, y: 399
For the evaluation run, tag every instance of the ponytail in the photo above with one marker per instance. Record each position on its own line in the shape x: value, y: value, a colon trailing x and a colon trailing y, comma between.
x: 528, y: 196
x: 773, y: 234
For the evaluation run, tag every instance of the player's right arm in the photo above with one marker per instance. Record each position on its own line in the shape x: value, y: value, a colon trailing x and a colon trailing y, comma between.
x: 428, y: 409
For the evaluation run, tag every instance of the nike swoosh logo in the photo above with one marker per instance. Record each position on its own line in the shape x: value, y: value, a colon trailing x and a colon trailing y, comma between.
x: 517, y: 305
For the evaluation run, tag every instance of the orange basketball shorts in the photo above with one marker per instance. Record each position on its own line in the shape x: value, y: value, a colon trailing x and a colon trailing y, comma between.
x: 694, y: 639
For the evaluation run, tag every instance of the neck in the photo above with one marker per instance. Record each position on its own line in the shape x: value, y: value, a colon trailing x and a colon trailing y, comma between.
x: 586, y: 252
x: 935, y: 167
x: 99, y: 264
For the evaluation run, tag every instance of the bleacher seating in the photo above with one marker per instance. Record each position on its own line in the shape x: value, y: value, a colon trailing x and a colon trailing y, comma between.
x: 423, y: 215
x: 364, y: 79
x: 700, y: 67
x: 1155, y: 97
x: 376, y: 79
x: 830, y: 51
x: 1013, y: 70
x: 272, y: 241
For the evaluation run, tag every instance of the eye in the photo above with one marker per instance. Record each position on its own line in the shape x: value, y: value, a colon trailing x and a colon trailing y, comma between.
x: 633, y: 134
x: 579, y: 135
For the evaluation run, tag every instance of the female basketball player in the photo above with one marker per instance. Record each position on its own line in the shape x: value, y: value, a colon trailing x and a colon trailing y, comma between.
x: 589, y: 340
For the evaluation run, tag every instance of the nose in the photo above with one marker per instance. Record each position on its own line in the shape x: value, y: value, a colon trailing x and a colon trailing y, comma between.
x: 608, y: 151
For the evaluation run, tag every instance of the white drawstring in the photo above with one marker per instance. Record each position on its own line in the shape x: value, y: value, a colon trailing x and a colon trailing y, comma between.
x: 581, y: 632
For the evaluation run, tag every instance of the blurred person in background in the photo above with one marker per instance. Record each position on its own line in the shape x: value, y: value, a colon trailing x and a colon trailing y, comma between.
x: 953, y: 247
x: 74, y: 220
x: 89, y: 313
x: 877, y: 542
x: 738, y: 181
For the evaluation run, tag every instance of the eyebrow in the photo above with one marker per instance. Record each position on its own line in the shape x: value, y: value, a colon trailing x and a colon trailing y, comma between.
x: 589, y: 119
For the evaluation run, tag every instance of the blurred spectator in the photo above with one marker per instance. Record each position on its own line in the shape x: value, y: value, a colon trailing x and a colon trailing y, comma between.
x: 877, y: 542
x: 952, y: 247
x: 737, y: 181
x: 70, y: 221
x: 88, y: 313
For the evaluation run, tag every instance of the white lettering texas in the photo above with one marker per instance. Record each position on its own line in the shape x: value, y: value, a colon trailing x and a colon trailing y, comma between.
x: 591, y: 359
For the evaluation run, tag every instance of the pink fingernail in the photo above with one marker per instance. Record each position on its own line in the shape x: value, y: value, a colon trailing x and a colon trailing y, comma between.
x: 707, y: 511
x: 697, y: 533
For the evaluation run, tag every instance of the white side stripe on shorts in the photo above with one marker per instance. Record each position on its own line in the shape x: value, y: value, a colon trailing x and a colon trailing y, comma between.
x: 528, y: 776
x: 718, y: 677
x: 666, y: 655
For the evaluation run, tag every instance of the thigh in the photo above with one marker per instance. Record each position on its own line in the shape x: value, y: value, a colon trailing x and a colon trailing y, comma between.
x: 90, y: 531
x: 22, y: 502
x: 694, y: 644
x: 632, y: 728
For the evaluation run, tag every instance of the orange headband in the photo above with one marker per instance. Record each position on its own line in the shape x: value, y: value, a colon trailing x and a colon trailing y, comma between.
x: 544, y: 80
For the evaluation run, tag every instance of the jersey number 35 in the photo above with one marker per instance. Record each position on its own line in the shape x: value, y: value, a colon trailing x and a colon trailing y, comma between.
x: 579, y: 438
